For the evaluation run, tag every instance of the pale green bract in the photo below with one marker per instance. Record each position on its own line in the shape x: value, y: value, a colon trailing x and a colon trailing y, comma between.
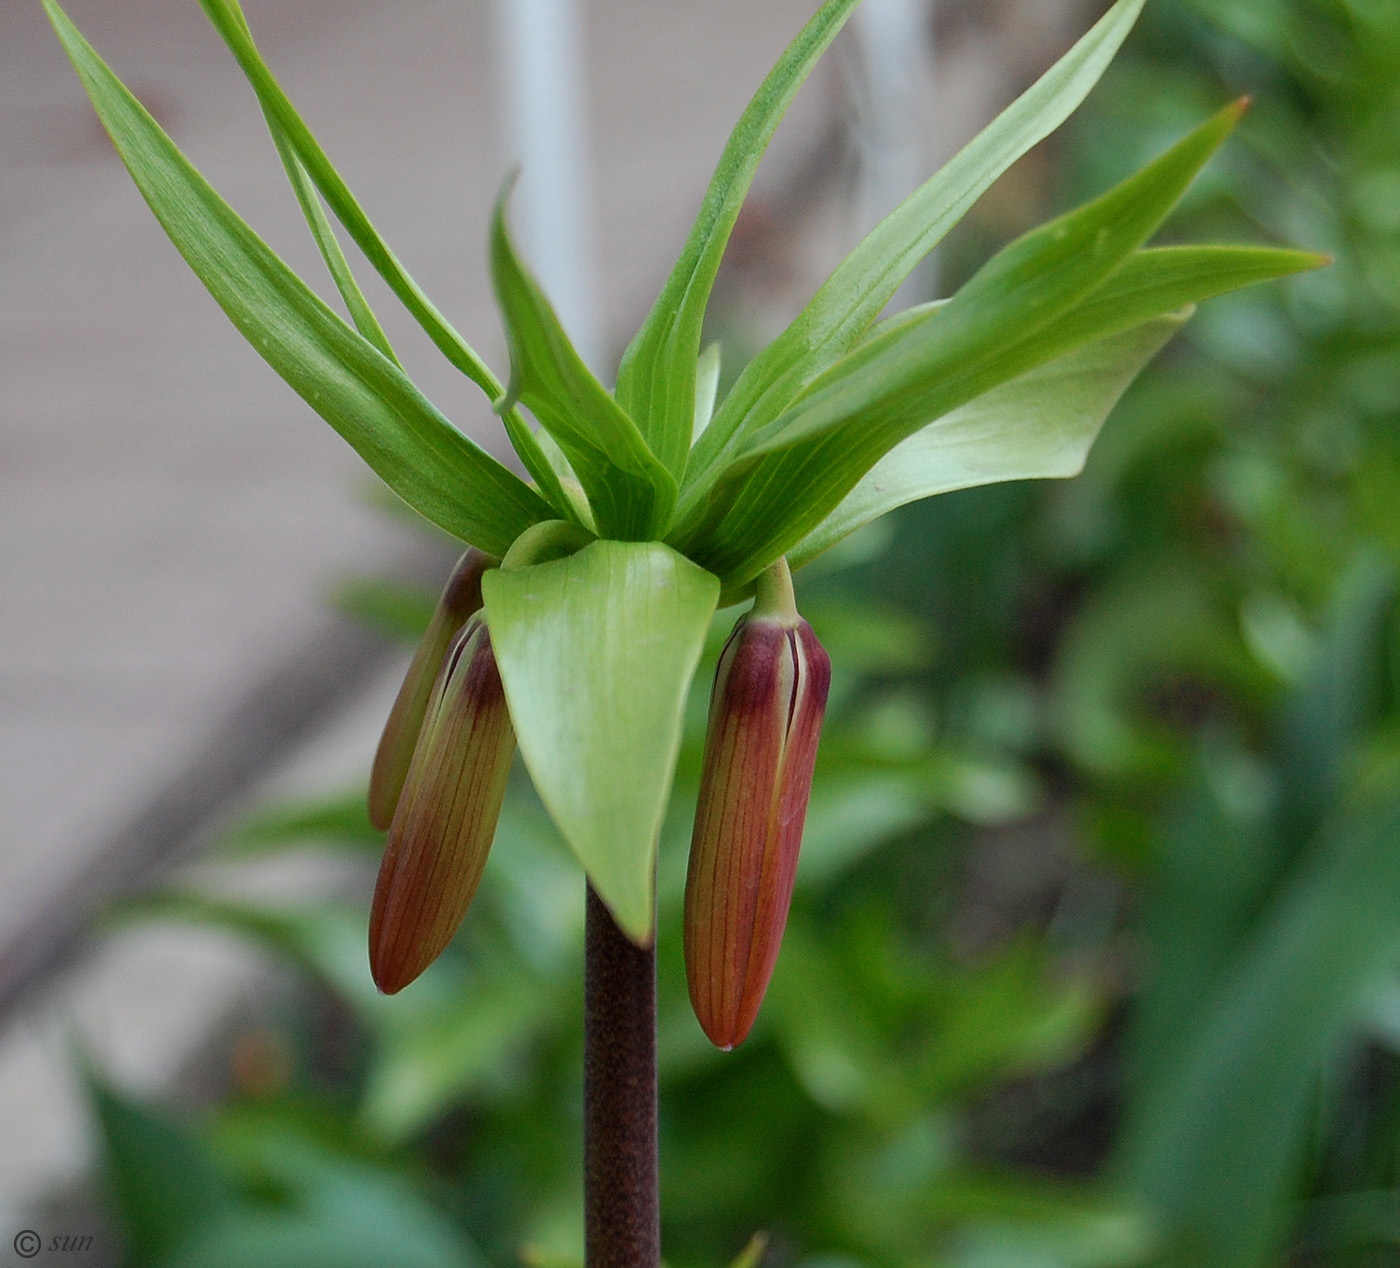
x: 596, y: 652
x: 835, y: 423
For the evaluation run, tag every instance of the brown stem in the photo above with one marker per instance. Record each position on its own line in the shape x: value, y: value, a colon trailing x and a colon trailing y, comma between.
x: 622, y: 1210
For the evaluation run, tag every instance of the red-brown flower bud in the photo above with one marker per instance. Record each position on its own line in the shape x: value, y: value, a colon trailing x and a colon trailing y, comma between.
x: 446, y: 816
x: 765, y: 720
x: 461, y: 598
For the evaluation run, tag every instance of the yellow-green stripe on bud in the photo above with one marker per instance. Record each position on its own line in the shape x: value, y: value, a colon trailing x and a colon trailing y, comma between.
x: 461, y: 598
x: 446, y: 817
x: 766, y: 715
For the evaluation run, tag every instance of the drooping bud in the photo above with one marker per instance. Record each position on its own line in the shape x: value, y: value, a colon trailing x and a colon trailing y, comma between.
x: 760, y: 749
x: 461, y: 598
x: 441, y: 832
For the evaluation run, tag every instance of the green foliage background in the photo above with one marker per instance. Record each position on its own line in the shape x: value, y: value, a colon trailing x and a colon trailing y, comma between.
x: 1092, y: 961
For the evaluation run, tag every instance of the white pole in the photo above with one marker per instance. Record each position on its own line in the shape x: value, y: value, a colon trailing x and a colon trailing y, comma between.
x: 545, y: 105
x: 895, y: 43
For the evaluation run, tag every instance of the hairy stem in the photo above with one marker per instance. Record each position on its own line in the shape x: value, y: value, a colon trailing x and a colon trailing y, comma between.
x: 622, y: 1210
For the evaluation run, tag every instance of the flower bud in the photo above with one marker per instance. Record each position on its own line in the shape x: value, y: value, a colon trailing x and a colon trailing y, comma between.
x: 761, y: 746
x: 460, y: 599
x: 446, y: 816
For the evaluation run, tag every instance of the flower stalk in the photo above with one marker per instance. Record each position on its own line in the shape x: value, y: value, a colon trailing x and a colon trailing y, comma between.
x: 622, y: 1207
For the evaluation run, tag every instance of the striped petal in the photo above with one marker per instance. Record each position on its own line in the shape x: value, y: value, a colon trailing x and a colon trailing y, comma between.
x: 765, y: 721
x: 446, y: 817
x: 461, y: 597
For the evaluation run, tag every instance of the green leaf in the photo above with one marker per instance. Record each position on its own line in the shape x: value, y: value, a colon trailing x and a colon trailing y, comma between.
x: 851, y: 298
x: 432, y: 1060
x: 340, y: 821
x: 336, y: 263
x: 289, y: 129
x: 164, y: 1183
x: 631, y: 493
x: 1215, y: 1149
x: 1326, y: 717
x: 1002, y: 323
x: 752, y: 1254
x: 1038, y: 425
x: 706, y: 387
x: 364, y: 396
x: 324, y: 236
x: 656, y: 380
x: 888, y: 381
x: 596, y: 652
x: 324, y: 939
x: 314, y: 1202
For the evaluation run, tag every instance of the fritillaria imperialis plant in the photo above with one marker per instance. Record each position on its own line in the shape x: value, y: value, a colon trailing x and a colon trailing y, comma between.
x: 575, y: 622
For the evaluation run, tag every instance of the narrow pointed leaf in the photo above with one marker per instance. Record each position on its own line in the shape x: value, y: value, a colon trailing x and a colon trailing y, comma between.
x: 322, y: 233
x: 1215, y: 1151
x: 597, y: 652
x: 1003, y: 323
x: 1151, y: 284
x: 1147, y: 285
x: 630, y: 492
x: 364, y: 396
x: 1036, y: 426
x: 164, y: 1183
x: 1023, y: 288
x: 336, y: 263
x: 839, y: 313
x: 227, y: 18
x: 656, y: 380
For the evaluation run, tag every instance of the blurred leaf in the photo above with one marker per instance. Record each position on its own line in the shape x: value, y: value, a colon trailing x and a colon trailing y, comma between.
x: 1007, y: 1017
x: 656, y: 380
x: 365, y: 397
x: 1324, y: 719
x: 825, y: 1032
x: 394, y: 608
x: 1009, y: 1221
x: 596, y: 652
x: 848, y: 817
x: 1213, y: 1149
x: 1205, y: 883
x: 334, y: 1210
x: 752, y: 1254
x: 866, y: 638
x: 338, y: 820
x: 432, y: 1060
x: 165, y: 1184
x: 1155, y: 624
x: 1353, y: 1221
x: 327, y: 940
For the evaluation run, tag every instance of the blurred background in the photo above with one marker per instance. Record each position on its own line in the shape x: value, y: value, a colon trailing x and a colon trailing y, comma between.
x: 1092, y: 960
